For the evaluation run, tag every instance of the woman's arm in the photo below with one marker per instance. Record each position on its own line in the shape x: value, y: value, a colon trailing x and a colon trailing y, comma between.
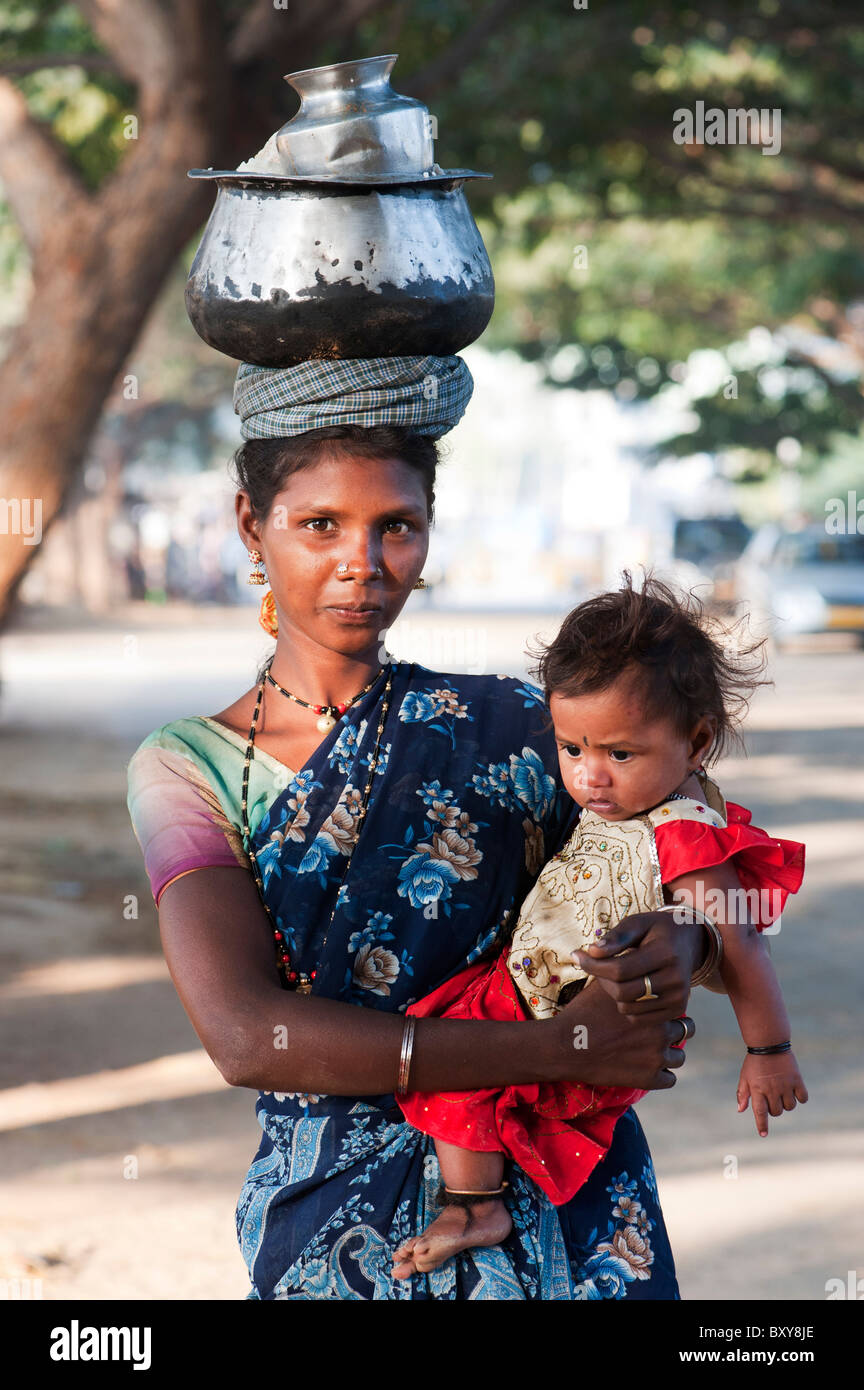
x: 218, y: 944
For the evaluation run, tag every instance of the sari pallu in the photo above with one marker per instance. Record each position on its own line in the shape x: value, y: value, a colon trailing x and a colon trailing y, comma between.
x: 466, y: 805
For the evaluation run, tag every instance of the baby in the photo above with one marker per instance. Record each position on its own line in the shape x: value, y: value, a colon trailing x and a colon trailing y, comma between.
x: 641, y: 696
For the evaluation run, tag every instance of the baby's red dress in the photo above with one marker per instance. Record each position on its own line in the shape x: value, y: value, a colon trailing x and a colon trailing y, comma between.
x: 558, y: 1132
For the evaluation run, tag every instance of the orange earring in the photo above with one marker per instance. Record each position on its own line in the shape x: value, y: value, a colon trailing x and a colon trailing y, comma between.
x: 268, y: 617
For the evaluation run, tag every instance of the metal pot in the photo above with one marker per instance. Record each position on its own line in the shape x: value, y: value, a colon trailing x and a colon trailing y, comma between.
x: 342, y: 238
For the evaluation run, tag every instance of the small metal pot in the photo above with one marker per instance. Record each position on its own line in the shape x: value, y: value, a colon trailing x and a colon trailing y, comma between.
x: 367, y: 255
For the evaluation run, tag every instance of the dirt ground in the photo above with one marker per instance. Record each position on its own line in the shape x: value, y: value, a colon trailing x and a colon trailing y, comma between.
x: 122, y: 1149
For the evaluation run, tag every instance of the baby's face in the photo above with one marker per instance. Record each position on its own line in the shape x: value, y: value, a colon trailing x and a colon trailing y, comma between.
x: 615, y: 762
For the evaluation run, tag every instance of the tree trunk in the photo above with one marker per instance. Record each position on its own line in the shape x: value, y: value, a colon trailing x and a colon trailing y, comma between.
x: 99, y: 261
x: 92, y: 292
x: 97, y: 266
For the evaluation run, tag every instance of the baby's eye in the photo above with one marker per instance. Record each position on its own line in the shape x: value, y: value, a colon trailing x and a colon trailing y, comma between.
x: 620, y: 755
x: 572, y: 750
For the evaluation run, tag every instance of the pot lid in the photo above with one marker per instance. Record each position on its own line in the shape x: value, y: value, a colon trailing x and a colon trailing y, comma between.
x: 352, y: 128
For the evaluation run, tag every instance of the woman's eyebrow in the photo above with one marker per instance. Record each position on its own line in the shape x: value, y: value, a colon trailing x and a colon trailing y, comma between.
x: 403, y: 507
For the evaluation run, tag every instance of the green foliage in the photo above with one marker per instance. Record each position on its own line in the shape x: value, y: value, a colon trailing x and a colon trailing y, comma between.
x: 84, y: 108
x: 602, y: 230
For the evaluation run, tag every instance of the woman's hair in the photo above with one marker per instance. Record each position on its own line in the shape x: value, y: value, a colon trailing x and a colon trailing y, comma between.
x: 262, y: 466
x: 661, y: 640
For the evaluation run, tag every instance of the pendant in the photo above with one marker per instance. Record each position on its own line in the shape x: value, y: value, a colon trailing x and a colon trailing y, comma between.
x: 325, y: 723
x: 305, y: 985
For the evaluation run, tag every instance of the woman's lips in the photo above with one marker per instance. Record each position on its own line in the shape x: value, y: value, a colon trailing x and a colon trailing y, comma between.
x: 357, y: 617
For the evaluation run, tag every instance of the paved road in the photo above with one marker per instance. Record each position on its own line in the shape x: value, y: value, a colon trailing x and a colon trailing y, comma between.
x: 123, y: 1150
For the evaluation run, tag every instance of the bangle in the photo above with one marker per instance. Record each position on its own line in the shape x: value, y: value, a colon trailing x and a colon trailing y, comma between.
x: 712, y: 961
x: 405, y: 1055
x: 767, y: 1051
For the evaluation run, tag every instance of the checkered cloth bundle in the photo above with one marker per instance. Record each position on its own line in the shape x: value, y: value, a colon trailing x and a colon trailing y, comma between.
x: 428, y: 394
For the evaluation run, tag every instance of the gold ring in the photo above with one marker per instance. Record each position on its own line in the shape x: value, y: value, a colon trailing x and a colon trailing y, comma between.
x: 649, y: 994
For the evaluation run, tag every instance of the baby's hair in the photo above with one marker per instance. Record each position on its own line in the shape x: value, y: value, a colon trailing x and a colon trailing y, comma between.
x: 681, y: 671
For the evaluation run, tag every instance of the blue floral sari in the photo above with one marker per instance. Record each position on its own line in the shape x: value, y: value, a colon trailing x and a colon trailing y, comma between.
x: 466, y: 806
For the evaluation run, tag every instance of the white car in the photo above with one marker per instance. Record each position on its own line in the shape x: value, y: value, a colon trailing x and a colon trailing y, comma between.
x: 807, y: 581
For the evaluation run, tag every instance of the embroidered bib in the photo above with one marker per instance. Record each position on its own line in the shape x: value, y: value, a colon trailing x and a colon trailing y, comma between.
x: 607, y: 870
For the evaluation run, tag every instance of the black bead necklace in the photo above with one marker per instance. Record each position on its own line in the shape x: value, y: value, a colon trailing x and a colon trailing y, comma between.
x: 299, y: 980
x: 328, y: 713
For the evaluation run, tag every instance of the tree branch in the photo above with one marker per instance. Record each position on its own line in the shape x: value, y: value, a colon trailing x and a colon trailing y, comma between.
x: 40, y: 183
x: 265, y: 30
x: 800, y: 208
x: 825, y: 165
x: 797, y: 199
x: 262, y: 29
x: 93, y: 62
x: 461, y: 52
x: 344, y: 16
x: 141, y: 37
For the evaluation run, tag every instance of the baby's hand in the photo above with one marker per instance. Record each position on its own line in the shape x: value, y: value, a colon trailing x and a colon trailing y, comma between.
x: 773, y: 1083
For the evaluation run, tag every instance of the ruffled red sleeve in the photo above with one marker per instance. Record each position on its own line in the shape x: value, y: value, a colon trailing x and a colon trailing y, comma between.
x: 769, y: 869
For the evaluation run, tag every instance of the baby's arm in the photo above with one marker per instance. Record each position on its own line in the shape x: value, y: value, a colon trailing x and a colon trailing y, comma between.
x: 773, y: 1082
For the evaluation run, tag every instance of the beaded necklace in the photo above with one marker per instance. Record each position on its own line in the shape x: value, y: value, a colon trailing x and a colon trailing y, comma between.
x: 328, y: 713
x: 291, y: 978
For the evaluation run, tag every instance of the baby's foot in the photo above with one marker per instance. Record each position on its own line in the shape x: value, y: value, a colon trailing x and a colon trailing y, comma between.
x: 457, y: 1228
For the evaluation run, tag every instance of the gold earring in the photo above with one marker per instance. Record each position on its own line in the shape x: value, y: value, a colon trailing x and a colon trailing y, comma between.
x: 267, y: 616
x: 421, y: 583
x: 258, y: 575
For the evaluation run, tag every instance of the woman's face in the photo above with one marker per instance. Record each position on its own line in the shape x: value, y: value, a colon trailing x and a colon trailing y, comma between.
x: 370, y: 514
x: 616, y: 762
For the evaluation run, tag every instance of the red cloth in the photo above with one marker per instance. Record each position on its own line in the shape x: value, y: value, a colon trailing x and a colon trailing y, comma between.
x: 532, y: 1124
x: 559, y: 1132
x: 768, y: 869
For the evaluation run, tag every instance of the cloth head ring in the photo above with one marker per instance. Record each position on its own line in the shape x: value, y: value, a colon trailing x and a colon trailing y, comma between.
x: 428, y: 395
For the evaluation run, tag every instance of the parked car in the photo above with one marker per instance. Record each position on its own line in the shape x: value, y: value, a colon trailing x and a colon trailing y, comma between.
x: 704, y: 552
x: 797, y: 582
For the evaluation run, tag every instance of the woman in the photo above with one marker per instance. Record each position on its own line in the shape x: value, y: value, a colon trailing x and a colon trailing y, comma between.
x: 386, y: 852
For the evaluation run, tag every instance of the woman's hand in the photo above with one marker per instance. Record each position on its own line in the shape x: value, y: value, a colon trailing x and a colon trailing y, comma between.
x: 597, y: 1047
x: 659, y: 950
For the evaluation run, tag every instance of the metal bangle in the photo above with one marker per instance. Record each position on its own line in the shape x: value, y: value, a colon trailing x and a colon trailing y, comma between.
x: 714, y: 957
x: 712, y: 961
x: 405, y: 1055
x: 452, y: 1197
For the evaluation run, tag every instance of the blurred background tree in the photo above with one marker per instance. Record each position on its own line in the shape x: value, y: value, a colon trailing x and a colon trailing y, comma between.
x: 621, y: 257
